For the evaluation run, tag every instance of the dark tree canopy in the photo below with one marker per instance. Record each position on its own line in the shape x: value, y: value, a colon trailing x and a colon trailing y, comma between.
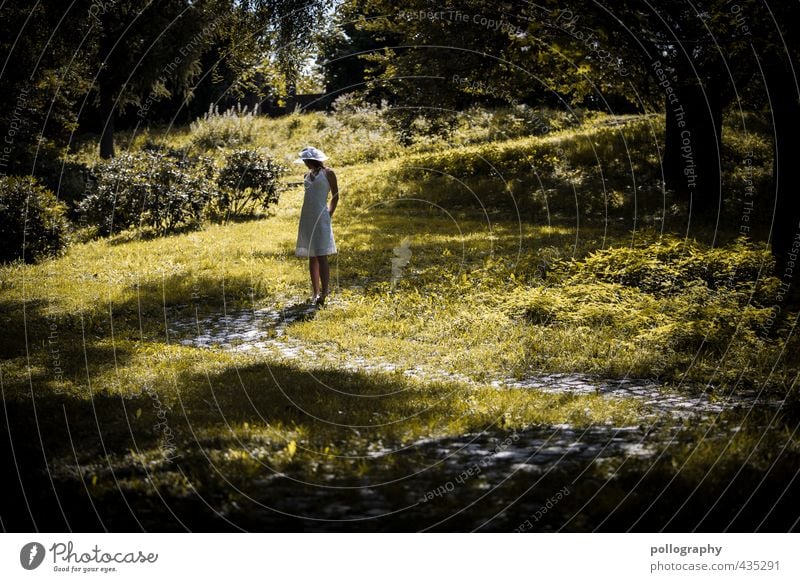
x: 691, y: 60
x: 87, y: 66
x: 66, y: 64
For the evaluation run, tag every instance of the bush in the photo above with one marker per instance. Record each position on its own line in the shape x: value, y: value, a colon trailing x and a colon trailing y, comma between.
x: 66, y: 178
x: 481, y: 125
x: 248, y: 180
x: 747, y: 161
x: 542, y: 174
x: 30, y: 213
x: 358, y: 132
x: 668, y: 309
x: 356, y: 113
x: 148, y: 188
x: 233, y: 128
x: 671, y: 264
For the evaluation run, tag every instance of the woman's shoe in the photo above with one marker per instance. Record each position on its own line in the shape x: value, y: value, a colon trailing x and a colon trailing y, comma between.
x: 321, y: 299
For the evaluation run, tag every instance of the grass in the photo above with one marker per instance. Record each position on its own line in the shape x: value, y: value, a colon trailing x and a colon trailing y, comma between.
x: 96, y: 385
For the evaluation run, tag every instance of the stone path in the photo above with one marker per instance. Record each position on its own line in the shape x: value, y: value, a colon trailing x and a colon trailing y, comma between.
x: 264, y: 330
x: 436, y: 467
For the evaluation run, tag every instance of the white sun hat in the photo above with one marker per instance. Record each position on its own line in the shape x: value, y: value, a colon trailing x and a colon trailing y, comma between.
x: 310, y: 153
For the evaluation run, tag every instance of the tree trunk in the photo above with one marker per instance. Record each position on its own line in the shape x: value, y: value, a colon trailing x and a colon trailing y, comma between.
x: 693, y: 144
x: 106, y: 121
x: 105, y: 87
x: 291, y: 94
x: 785, y: 107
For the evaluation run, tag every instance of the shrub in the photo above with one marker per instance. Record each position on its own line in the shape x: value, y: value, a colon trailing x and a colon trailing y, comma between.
x: 148, y: 188
x: 358, y: 132
x: 233, y: 128
x: 30, y: 213
x: 356, y: 113
x: 671, y: 264
x: 248, y: 180
x: 747, y: 161
x: 480, y: 124
x: 670, y: 309
x: 66, y: 178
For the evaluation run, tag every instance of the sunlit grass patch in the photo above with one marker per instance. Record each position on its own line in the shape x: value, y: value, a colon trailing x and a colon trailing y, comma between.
x: 669, y: 317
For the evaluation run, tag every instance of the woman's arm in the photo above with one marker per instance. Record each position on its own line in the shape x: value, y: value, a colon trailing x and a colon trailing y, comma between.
x: 334, y: 191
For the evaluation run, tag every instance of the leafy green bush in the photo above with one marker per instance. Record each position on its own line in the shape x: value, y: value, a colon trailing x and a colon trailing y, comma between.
x: 668, y: 308
x: 480, y: 124
x: 706, y: 319
x: 670, y: 264
x: 32, y: 220
x: 357, y: 132
x: 747, y: 161
x: 148, y: 189
x: 586, y: 304
x: 67, y: 179
x: 248, y: 180
x: 232, y: 128
x: 355, y: 112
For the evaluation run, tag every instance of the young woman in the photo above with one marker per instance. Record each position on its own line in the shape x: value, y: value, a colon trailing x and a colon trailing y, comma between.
x: 315, y: 234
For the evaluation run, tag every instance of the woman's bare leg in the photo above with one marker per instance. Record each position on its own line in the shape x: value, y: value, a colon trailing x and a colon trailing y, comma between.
x: 313, y: 267
x: 324, y: 274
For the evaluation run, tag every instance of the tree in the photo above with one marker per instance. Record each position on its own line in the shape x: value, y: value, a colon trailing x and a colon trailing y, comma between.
x: 685, y: 50
x: 423, y: 52
x: 148, y: 52
x: 156, y: 52
x: 777, y: 54
x: 62, y: 60
x: 44, y: 74
x: 688, y: 59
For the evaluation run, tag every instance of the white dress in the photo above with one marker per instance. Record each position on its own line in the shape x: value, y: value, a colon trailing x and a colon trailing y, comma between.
x: 315, y: 234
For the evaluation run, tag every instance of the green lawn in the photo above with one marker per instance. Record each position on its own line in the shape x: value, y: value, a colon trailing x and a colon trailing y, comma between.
x: 96, y: 381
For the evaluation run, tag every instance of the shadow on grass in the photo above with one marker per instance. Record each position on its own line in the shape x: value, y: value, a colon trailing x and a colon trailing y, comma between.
x: 71, y: 465
x: 50, y: 435
x: 232, y: 430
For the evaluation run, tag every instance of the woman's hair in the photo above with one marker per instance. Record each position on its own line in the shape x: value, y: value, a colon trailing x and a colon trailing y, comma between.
x: 315, y: 163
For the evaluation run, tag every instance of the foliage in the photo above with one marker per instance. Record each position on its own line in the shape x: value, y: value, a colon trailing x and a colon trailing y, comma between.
x: 66, y: 177
x: 747, y: 152
x: 609, y: 163
x: 150, y: 189
x: 669, y: 265
x: 32, y: 220
x: 40, y: 95
x: 523, y: 154
x: 232, y: 128
x: 354, y: 111
x: 100, y: 59
x: 358, y: 131
x: 676, y: 305
x: 481, y: 124
x: 566, y: 52
x: 249, y: 179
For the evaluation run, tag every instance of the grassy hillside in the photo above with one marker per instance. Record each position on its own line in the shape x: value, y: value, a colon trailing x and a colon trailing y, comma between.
x: 94, y: 363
